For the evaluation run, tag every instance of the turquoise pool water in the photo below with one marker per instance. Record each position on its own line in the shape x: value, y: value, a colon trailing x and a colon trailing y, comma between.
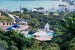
x: 31, y: 36
x: 50, y: 33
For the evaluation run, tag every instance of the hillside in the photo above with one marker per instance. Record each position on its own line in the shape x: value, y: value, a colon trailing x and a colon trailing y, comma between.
x: 5, y: 18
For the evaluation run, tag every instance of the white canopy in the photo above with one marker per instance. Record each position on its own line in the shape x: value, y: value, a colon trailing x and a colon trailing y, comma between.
x: 47, y: 25
x: 41, y: 33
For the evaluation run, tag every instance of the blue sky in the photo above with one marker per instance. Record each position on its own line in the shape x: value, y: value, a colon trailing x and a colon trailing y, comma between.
x: 28, y: 4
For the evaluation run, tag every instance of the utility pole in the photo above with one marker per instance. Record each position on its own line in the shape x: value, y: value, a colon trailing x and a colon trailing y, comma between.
x: 20, y: 11
x: 19, y: 15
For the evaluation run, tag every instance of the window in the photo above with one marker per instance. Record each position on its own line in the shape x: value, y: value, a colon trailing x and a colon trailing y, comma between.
x: 3, y: 23
x: 7, y: 23
x: 10, y: 23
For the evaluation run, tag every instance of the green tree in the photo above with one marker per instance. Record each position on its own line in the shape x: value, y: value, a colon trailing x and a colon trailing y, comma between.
x: 34, y: 23
x: 67, y: 38
x: 12, y: 40
x: 68, y: 27
x: 25, y: 10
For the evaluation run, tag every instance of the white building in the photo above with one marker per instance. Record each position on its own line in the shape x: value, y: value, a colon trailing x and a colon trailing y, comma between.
x: 54, y: 9
x: 62, y: 8
x: 4, y: 10
x: 71, y: 8
x: 40, y: 9
x: 67, y: 0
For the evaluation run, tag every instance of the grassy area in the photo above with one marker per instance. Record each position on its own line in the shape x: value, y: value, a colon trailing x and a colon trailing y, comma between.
x: 4, y: 17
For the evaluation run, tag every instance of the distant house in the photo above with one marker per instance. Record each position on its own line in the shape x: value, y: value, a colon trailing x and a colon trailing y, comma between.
x: 71, y: 8
x: 4, y: 25
x: 67, y: 0
x: 53, y: 9
x: 62, y: 8
x: 4, y: 10
x: 40, y: 9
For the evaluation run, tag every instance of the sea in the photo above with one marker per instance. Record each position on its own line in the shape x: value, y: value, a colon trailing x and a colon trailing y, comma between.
x: 12, y: 5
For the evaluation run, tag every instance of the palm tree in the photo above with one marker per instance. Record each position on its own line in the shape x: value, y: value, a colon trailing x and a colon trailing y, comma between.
x: 68, y: 26
x: 33, y: 23
x: 66, y: 40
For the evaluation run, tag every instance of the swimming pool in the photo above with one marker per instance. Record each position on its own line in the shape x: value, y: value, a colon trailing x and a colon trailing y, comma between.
x: 50, y: 33
x: 31, y: 35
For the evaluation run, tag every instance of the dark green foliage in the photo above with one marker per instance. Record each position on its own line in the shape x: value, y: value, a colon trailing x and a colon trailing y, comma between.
x: 25, y: 10
x: 65, y: 34
x: 32, y: 30
x: 68, y: 30
x: 14, y: 41
x: 34, y: 23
